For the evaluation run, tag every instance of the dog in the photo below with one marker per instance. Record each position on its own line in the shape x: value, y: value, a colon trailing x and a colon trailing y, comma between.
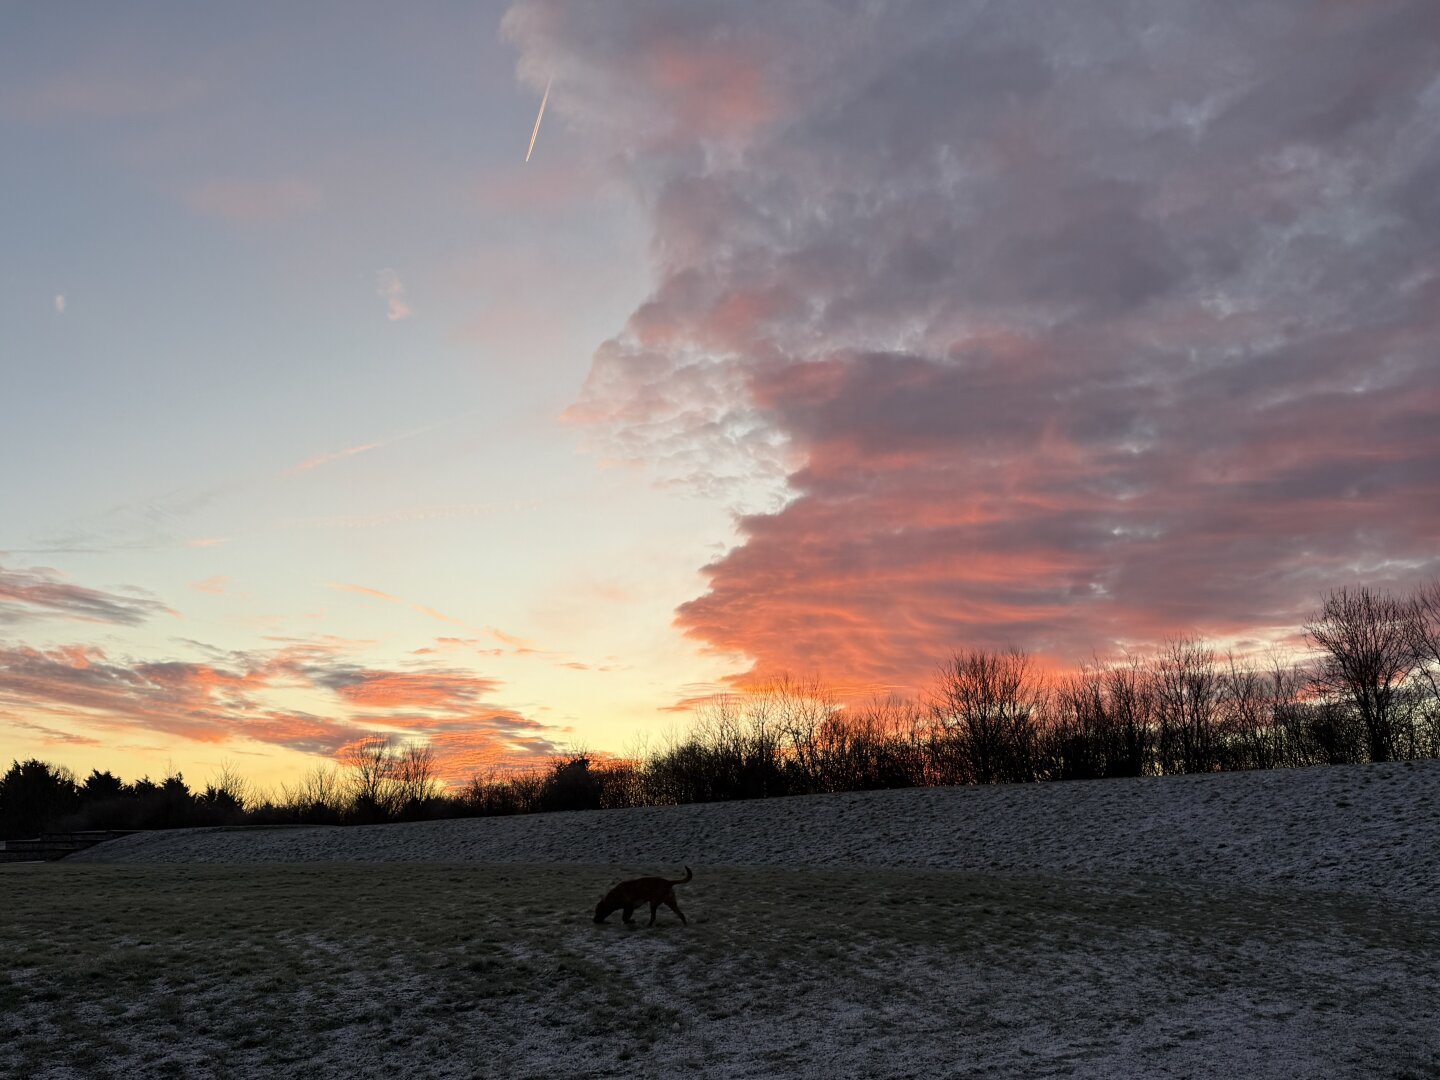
x: 629, y: 895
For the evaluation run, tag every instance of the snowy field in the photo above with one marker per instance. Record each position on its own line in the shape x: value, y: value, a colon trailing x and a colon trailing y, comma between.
x: 1276, y: 924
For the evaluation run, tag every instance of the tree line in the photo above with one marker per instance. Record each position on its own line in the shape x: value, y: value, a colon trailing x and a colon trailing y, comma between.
x: 1371, y: 692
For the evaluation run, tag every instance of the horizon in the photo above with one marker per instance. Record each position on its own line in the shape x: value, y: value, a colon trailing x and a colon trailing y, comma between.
x: 799, y: 340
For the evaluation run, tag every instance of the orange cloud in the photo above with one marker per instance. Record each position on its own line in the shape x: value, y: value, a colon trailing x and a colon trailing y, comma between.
x: 420, y: 690
x: 79, y: 688
x: 462, y: 755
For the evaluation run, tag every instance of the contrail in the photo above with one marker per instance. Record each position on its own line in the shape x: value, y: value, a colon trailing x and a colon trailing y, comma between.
x: 539, y: 117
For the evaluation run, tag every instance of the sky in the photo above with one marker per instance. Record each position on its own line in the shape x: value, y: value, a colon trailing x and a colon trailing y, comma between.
x: 820, y: 337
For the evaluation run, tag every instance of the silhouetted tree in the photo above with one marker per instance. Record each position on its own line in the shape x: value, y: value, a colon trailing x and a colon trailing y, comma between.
x: 573, y: 785
x: 804, y: 714
x: 879, y: 744
x: 1186, y: 686
x: 1425, y: 644
x: 1290, y: 715
x: 1367, y: 648
x: 173, y: 806
x: 101, y: 787
x: 1336, y: 733
x: 739, y: 741
x: 1086, y: 738
x: 413, y: 780
x: 371, y: 762
x: 1131, y: 702
x: 33, y: 796
x: 318, y: 797
x: 987, y: 706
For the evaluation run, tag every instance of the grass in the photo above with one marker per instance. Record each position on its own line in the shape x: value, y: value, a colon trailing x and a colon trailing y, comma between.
x: 385, y: 970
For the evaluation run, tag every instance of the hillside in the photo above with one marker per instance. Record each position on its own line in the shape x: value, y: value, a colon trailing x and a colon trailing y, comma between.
x: 1363, y: 829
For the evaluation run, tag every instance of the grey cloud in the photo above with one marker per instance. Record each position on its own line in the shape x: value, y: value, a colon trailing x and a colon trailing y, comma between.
x: 27, y: 595
x: 1149, y: 287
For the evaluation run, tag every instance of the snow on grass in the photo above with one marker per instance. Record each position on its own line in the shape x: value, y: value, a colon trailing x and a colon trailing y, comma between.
x: 339, y: 971
x: 1368, y: 829
x: 1084, y: 930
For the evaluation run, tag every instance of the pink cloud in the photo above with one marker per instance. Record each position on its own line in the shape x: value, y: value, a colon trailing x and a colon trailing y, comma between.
x: 1040, y: 327
x: 716, y: 88
x: 422, y: 690
x: 74, y: 691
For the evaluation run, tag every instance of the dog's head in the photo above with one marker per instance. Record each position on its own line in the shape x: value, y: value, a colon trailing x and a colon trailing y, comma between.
x: 603, y: 910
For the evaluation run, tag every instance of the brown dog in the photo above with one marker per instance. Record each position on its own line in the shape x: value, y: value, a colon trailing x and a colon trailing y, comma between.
x: 629, y: 895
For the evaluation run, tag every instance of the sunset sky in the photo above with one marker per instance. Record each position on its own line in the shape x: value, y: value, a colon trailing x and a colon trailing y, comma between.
x: 819, y: 337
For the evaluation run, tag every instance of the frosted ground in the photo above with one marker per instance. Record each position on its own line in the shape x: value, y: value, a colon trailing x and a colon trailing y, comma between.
x: 1253, y: 924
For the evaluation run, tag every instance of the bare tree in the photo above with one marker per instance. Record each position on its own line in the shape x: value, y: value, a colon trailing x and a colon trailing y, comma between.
x: 738, y: 735
x: 1080, y: 727
x: 413, y: 778
x: 733, y: 750
x: 1131, y: 701
x: 1101, y: 722
x: 1291, y: 716
x: 801, y: 710
x: 1425, y: 644
x: 879, y: 744
x: 1248, y: 736
x: 319, y: 793
x: 227, y: 786
x: 987, y: 706
x: 371, y: 762
x: 1368, y: 654
x: 1186, y: 685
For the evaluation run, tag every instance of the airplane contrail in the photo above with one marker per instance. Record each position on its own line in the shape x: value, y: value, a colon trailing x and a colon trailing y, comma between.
x: 539, y: 117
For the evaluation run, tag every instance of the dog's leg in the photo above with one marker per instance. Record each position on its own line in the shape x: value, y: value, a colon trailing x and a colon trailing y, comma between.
x: 654, y: 907
x: 670, y: 903
x: 629, y: 915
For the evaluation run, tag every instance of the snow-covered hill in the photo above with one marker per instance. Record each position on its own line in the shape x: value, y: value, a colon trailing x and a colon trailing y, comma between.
x: 1365, y: 829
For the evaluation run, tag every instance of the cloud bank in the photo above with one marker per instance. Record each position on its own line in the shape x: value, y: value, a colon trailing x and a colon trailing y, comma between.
x: 313, y: 696
x: 234, y: 697
x: 1065, y: 325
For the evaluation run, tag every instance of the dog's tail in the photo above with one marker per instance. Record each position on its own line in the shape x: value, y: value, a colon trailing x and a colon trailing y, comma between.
x: 683, y: 880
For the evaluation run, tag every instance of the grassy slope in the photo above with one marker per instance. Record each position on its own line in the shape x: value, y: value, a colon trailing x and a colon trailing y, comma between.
x: 395, y: 970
